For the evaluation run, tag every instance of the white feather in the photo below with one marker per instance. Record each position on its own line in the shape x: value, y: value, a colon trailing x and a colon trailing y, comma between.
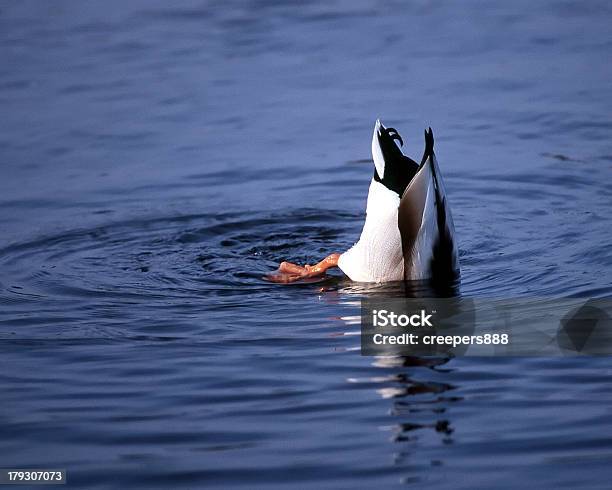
x: 377, y: 156
x: 377, y: 256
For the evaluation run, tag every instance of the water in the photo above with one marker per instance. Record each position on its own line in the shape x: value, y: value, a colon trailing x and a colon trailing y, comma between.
x: 156, y: 161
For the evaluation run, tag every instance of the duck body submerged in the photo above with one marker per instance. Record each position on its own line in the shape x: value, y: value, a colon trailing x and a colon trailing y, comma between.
x: 408, y: 232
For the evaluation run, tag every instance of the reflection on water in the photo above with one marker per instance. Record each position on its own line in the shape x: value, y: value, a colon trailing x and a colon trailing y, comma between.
x: 417, y: 406
x: 156, y: 161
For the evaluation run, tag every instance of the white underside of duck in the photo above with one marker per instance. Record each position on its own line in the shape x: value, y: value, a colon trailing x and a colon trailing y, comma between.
x: 407, y: 238
x: 377, y: 256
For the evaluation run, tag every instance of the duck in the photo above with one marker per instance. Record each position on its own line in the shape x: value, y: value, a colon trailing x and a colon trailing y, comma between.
x: 408, y: 233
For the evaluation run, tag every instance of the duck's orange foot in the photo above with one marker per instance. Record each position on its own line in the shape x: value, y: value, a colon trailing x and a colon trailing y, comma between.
x: 288, y: 272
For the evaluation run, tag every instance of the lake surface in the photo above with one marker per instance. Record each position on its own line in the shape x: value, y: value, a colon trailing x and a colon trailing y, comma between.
x: 156, y: 161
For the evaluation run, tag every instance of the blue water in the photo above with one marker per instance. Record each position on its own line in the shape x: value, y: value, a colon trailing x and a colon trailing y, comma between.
x: 157, y: 159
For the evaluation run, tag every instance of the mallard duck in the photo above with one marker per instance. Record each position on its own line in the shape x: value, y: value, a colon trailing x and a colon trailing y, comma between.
x: 408, y: 232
